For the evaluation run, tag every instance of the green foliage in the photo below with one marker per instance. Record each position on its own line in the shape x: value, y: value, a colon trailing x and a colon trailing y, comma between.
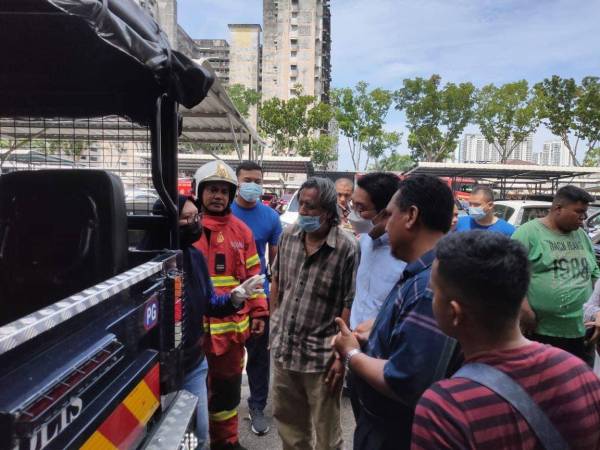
x: 435, y: 116
x: 70, y: 147
x: 320, y: 149
x: 296, y: 125
x: 360, y: 115
x: 588, y: 113
x: 506, y: 115
x: 243, y: 98
x: 394, y: 163
x: 592, y: 158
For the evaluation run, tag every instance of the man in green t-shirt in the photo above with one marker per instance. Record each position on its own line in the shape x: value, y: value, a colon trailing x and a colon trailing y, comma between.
x: 563, y: 272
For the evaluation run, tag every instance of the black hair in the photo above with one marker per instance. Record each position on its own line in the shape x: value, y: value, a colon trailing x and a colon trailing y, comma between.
x: 431, y: 196
x: 571, y: 194
x: 486, y: 190
x: 488, y: 271
x: 380, y: 186
x: 247, y: 165
x: 327, y: 196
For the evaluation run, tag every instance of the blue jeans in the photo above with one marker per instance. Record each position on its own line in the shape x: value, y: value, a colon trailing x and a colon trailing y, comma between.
x: 195, y: 382
x: 258, y: 369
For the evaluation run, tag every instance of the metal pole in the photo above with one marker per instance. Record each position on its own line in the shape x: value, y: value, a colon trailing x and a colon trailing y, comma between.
x: 249, y: 147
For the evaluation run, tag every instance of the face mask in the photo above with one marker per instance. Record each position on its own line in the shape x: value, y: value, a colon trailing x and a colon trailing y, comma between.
x: 360, y: 225
x: 250, y: 192
x: 476, y: 212
x: 188, y: 234
x: 309, y: 224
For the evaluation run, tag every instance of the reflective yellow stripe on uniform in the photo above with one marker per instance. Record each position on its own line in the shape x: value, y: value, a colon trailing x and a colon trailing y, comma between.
x: 224, y: 281
x: 252, y: 261
x: 221, y: 416
x: 227, y: 327
x: 258, y: 296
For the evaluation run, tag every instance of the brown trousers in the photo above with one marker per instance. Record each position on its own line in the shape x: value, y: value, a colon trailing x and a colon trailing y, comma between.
x: 302, y: 406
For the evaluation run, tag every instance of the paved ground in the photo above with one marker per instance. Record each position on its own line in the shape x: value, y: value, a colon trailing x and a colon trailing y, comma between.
x: 271, y: 440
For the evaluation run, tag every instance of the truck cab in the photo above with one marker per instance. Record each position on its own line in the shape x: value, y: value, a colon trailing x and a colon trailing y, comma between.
x: 91, y: 327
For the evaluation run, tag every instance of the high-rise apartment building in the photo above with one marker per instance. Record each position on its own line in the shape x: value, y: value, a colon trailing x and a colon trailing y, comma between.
x: 296, y: 48
x: 554, y: 153
x: 475, y: 148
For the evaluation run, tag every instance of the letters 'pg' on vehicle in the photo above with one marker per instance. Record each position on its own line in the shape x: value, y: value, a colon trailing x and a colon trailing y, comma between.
x: 90, y: 327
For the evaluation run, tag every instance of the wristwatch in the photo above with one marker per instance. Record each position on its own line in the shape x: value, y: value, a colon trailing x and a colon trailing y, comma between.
x: 349, y: 355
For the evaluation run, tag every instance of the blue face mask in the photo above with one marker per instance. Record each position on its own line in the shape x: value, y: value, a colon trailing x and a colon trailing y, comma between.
x: 309, y: 224
x: 476, y: 212
x: 250, y: 192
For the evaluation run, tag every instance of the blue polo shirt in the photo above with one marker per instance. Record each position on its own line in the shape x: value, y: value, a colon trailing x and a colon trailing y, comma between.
x: 266, y: 228
x: 405, y: 334
x: 466, y: 223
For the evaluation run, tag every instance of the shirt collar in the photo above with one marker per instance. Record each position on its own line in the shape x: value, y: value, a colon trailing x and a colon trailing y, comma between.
x: 421, y: 264
x: 384, y: 239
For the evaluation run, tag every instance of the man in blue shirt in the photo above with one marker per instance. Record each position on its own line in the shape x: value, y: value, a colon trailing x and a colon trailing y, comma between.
x: 266, y: 227
x: 481, y: 214
x: 404, y: 352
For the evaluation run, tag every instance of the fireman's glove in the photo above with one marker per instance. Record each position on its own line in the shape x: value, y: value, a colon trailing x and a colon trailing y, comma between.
x: 249, y: 288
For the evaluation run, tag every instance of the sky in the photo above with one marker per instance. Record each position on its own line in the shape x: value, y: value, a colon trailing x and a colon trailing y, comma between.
x: 483, y: 41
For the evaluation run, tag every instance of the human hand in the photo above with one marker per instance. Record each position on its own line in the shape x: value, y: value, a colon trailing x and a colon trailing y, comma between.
x: 593, y: 340
x: 252, y: 286
x: 335, y: 375
x: 363, y: 331
x: 344, y: 341
x: 257, y: 327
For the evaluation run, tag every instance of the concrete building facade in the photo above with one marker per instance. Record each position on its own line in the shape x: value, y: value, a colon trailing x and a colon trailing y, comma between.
x: 475, y: 148
x: 554, y: 153
x: 296, y: 48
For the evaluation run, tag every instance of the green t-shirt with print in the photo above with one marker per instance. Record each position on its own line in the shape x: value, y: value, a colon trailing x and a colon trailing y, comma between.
x: 563, y: 268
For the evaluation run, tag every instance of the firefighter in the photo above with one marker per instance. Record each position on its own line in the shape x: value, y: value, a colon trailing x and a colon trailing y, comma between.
x: 231, y: 254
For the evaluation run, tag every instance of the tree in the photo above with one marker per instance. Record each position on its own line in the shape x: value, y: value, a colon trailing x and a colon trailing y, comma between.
x: 320, y: 150
x: 435, y: 116
x: 243, y: 98
x: 506, y: 115
x: 70, y: 147
x: 394, y: 163
x: 592, y: 158
x: 361, y: 116
x: 571, y: 112
x: 10, y: 145
x: 296, y: 125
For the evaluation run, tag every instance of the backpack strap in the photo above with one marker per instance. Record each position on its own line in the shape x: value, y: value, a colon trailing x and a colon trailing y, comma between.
x: 512, y: 392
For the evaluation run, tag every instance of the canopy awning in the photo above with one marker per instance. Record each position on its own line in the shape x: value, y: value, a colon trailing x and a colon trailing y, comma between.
x: 502, y: 171
x: 270, y: 164
x: 216, y: 120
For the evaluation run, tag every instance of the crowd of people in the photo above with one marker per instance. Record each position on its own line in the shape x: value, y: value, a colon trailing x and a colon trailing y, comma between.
x: 446, y: 331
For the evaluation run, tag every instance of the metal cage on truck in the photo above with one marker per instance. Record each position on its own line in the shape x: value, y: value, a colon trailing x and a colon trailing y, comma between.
x: 90, y: 326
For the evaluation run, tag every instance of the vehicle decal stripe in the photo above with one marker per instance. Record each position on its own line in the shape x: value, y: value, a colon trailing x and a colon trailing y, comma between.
x: 125, y: 425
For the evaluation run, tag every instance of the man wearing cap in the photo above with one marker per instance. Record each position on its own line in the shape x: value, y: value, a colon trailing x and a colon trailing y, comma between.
x: 229, y: 247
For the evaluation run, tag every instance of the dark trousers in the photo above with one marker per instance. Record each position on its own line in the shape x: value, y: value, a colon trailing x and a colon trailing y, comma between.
x: 373, y: 434
x: 258, y: 369
x: 575, y: 346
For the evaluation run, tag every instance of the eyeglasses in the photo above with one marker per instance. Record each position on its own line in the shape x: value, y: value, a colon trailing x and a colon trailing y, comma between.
x: 191, y: 219
x: 359, y: 208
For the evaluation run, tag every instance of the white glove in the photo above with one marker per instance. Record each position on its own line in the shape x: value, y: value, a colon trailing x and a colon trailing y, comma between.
x: 252, y: 286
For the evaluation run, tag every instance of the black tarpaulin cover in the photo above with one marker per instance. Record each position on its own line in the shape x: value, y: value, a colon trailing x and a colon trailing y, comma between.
x: 89, y: 57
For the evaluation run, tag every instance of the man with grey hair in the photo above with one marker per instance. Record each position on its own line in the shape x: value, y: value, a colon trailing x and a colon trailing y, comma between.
x: 313, y: 281
x: 344, y: 187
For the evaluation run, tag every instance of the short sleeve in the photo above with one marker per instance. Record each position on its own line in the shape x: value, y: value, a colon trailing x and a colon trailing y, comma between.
x: 522, y: 235
x: 276, y: 230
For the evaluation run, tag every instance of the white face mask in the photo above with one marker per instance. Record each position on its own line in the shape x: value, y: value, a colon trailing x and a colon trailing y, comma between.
x: 360, y: 225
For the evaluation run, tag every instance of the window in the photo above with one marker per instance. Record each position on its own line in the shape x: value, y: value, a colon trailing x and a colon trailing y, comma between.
x: 293, y: 67
x: 294, y: 41
x: 503, y: 211
x: 535, y: 212
x: 293, y: 79
x: 294, y: 53
x: 94, y: 158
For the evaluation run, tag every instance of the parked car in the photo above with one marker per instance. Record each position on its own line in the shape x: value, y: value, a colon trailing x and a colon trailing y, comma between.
x: 290, y: 214
x: 518, y: 212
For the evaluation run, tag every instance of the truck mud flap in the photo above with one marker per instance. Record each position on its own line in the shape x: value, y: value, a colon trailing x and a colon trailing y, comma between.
x: 174, y: 431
